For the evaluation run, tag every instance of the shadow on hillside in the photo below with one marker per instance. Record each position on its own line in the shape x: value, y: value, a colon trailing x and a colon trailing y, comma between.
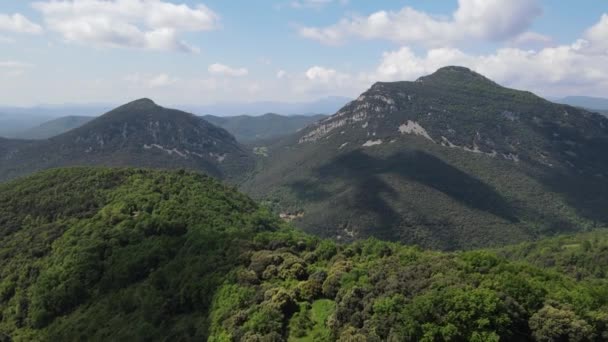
x: 371, y: 193
x: 308, y: 190
x: 586, y: 193
x: 420, y: 167
x: 584, y: 182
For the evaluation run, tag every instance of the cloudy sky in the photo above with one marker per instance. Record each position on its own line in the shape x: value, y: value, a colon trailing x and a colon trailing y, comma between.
x: 207, y: 51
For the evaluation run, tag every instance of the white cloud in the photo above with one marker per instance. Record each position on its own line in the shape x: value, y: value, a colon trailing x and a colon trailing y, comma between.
x: 15, y: 64
x: 321, y: 74
x: 281, y: 74
x: 224, y: 70
x: 18, y: 23
x: 315, y: 4
x: 151, y: 81
x: 492, y: 20
x: 531, y: 39
x: 558, y: 70
x: 6, y: 40
x: 597, y: 35
x: 13, y: 68
x: 144, y: 24
x: 321, y: 81
x: 577, y: 68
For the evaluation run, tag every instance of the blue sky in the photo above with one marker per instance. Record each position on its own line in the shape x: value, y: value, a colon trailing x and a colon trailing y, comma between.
x: 199, y: 52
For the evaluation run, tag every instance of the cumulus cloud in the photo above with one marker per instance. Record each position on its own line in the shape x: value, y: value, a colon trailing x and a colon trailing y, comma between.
x: 321, y: 74
x: 144, y: 24
x: 531, y: 39
x: 557, y: 70
x: 597, y: 36
x: 320, y: 81
x: 17, y: 23
x: 281, y: 74
x: 224, y: 70
x: 491, y: 20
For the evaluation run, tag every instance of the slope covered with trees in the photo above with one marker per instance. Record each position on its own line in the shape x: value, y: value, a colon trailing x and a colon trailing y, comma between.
x: 582, y: 256
x: 123, y: 254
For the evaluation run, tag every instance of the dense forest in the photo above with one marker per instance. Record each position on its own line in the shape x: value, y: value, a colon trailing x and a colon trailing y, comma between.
x: 128, y: 254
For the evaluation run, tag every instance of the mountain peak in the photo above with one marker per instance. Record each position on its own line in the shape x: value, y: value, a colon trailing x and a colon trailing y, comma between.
x: 455, y: 75
x: 142, y: 102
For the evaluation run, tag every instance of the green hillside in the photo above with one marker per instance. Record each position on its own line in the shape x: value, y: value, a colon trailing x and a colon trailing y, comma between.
x: 450, y: 161
x: 124, y: 254
x: 582, y: 256
x: 247, y: 128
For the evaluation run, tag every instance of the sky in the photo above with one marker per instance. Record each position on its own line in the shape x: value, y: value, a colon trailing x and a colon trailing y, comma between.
x: 213, y: 51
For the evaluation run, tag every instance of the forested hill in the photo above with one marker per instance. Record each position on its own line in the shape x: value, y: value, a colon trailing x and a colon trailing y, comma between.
x: 125, y: 254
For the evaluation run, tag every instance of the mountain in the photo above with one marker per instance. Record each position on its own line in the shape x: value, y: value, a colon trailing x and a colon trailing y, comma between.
x: 15, y: 120
x: 450, y: 161
x: 325, y: 105
x: 10, y: 124
x: 268, y: 126
x: 57, y: 111
x: 140, y: 133
x: 594, y: 103
x: 53, y: 127
x: 127, y: 254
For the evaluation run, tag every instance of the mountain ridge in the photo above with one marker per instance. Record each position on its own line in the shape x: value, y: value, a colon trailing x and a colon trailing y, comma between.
x: 248, y: 129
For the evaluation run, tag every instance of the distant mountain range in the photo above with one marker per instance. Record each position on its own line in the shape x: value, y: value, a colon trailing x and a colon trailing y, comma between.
x: 53, y: 127
x: 328, y: 105
x: 268, y: 126
x: 594, y: 103
x: 452, y: 160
